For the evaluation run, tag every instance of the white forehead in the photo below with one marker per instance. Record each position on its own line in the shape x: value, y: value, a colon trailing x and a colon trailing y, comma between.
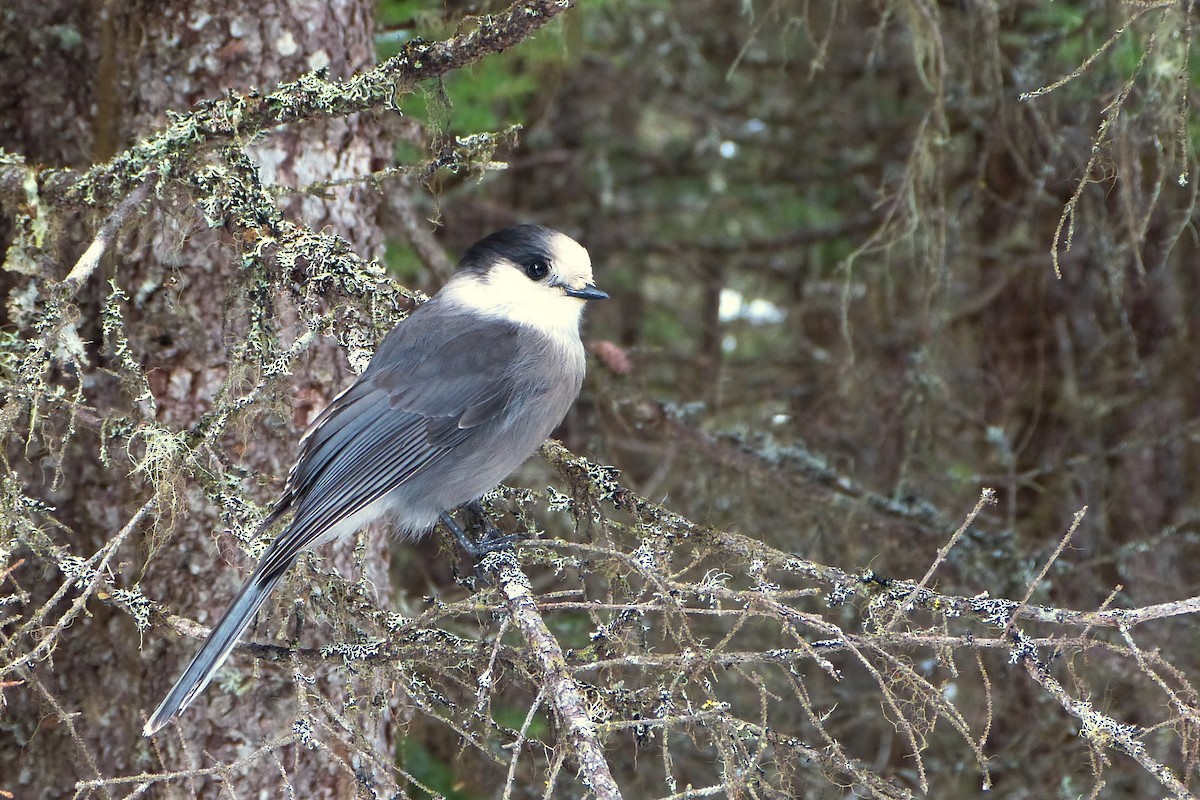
x: 570, y: 258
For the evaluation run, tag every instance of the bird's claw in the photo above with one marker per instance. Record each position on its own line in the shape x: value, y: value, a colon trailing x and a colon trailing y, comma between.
x: 493, y: 538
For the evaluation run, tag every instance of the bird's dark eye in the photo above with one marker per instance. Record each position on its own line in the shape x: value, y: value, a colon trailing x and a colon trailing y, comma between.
x: 537, y: 269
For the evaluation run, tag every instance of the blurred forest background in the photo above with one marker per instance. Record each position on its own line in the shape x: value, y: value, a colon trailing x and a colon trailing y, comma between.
x: 867, y: 260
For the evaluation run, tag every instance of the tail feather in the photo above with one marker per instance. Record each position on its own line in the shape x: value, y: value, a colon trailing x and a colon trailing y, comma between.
x: 215, y: 649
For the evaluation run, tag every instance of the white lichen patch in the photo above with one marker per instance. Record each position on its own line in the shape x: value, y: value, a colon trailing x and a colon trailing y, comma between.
x: 319, y: 59
x: 286, y: 45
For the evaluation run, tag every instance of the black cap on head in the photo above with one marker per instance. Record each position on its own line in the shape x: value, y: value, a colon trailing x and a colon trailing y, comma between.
x: 517, y: 243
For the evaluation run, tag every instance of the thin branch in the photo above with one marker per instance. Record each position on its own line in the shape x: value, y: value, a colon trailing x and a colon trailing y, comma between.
x: 416, y: 229
x: 986, y: 497
x: 1037, y: 581
x: 1102, y: 731
x: 559, y: 687
x: 510, y: 779
x: 107, y: 231
x: 80, y: 574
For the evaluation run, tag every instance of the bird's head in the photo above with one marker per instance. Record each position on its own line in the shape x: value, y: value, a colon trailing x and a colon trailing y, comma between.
x: 526, y: 274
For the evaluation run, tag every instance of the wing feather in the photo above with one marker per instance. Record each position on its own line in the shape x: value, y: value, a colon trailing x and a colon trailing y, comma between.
x: 433, y: 382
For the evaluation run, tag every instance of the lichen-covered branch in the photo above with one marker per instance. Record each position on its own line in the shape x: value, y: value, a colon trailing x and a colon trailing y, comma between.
x: 241, y: 116
x: 1099, y: 729
x: 558, y: 686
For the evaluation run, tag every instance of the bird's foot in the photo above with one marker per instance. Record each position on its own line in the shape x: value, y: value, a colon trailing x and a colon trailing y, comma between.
x: 491, y: 538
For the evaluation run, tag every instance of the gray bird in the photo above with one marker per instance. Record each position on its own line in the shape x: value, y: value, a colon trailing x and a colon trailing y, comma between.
x: 457, y: 396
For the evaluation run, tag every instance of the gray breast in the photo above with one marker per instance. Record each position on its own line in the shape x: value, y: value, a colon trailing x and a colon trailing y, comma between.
x: 542, y: 381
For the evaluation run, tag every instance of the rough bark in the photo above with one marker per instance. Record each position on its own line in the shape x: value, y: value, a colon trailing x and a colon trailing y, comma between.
x: 107, y: 75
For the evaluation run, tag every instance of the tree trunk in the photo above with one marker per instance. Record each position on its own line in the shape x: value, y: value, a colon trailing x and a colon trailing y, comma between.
x: 201, y: 327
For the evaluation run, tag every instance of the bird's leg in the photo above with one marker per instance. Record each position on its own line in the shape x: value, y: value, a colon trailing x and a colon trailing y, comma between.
x: 492, y: 539
x: 464, y: 541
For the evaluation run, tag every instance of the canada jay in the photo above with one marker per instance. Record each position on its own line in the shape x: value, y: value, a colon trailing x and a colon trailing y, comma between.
x: 456, y: 397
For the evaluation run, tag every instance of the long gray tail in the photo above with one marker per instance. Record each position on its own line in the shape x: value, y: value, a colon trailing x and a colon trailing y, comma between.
x: 216, y: 648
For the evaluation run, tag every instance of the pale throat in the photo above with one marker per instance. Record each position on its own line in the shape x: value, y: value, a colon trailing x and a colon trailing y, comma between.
x: 519, y: 301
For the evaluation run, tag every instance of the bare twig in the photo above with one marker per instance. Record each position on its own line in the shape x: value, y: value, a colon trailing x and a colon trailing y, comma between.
x: 1037, y: 581
x: 510, y: 780
x: 144, y: 781
x: 417, y: 230
x: 90, y: 259
x: 66, y: 719
x: 986, y: 497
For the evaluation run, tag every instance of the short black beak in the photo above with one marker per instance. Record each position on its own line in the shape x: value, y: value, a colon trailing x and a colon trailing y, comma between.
x: 588, y: 292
